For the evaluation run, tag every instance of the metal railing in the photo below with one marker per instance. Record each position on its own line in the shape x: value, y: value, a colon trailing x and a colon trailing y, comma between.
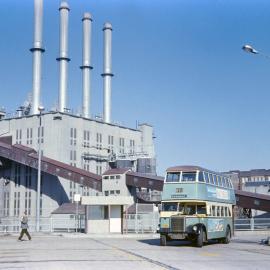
x: 47, y: 224
x: 252, y: 224
x: 141, y: 223
x: 132, y: 223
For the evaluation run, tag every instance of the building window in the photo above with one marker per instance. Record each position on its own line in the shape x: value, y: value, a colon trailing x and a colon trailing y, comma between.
x: 16, y: 203
x: 6, y: 203
x: 28, y: 177
x: 98, y: 212
x: 121, y: 145
x: 132, y: 146
x: 73, y: 136
x: 40, y: 134
x: 17, y: 175
x: 99, y: 167
x: 29, y: 136
x: 86, y: 138
x: 99, y: 141
x: 110, y: 144
x: 73, y: 157
x: 18, y: 136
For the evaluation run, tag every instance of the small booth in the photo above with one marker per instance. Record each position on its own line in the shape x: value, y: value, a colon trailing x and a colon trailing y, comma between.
x: 104, y: 214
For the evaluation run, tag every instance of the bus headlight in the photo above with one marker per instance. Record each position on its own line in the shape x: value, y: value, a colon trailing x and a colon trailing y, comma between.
x: 194, y: 228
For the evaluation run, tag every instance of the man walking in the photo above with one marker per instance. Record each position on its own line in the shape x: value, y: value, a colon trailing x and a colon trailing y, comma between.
x: 24, y: 227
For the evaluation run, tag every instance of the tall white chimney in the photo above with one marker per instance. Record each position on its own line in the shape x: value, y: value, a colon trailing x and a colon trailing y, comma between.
x: 86, y: 64
x: 37, y: 51
x: 107, y: 72
x: 63, y: 57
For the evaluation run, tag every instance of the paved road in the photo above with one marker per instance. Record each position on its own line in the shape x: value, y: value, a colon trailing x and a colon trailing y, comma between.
x: 71, y: 252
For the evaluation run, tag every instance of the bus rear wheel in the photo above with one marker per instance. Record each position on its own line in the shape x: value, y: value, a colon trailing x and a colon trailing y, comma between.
x: 163, y: 240
x: 227, y: 238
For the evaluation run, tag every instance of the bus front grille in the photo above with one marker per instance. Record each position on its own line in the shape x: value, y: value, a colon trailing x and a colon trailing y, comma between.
x: 178, y: 224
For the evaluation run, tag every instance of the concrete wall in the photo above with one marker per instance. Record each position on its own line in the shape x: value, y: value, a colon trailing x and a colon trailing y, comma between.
x: 98, y: 226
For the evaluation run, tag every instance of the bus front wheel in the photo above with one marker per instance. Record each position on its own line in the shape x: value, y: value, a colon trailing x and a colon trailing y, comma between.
x: 163, y: 240
x: 201, y: 238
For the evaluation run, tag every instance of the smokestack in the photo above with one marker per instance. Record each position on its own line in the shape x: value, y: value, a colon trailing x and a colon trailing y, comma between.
x: 37, y: 51
x: 63, y: 57
x: 107, y: 72
x: 86, y: 65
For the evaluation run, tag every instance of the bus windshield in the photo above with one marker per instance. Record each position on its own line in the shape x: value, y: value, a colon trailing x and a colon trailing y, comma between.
x: 184, y: 208
x: 172, y: 206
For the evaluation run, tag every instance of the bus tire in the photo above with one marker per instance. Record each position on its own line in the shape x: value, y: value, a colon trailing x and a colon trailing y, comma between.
x: 163, y: 240
x: 227, y: 238
x: 200, y: 238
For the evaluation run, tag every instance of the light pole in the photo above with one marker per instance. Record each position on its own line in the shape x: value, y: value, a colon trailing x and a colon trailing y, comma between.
x: 40, y: 109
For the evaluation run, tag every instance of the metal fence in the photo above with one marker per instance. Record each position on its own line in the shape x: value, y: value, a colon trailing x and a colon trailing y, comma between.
x: 141, y: 223
x: 47, y: 224
x: 252, y: 224
x: 132, y: 223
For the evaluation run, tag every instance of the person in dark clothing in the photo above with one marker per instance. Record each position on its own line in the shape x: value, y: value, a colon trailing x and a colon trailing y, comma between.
x: 24, y: 227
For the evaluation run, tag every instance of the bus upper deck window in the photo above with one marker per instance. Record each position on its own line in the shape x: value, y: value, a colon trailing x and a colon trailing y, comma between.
x: 215, y: 179
x: 188, y: 176
x: 173, y: 177
x: 201, y: 177
x: 206, y: 177
x: 223, y: 181
x: 219, y: 182
x: 211, y: 178
x: 226, y: 184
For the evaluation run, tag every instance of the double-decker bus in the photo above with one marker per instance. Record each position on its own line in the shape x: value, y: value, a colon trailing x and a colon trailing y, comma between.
x: 197, y: 205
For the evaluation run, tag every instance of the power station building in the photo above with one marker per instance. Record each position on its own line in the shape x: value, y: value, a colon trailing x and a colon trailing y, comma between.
x: 93, y: 145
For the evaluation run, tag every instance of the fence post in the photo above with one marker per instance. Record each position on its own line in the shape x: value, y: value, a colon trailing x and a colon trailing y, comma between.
x: 51, y: 224
x: 252, y: 224
x: 136, y: 218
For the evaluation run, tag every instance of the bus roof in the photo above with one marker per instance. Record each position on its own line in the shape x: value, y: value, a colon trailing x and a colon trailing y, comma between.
x: 186, y: 168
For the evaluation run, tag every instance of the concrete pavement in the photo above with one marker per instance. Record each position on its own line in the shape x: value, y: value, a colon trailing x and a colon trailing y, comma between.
x: 130, y: 252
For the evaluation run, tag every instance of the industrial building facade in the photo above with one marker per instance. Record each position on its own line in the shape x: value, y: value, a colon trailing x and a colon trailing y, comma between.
x: 91, y: 145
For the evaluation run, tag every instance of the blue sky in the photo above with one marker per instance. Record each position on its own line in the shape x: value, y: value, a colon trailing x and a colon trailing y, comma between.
x: 178, y: 65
